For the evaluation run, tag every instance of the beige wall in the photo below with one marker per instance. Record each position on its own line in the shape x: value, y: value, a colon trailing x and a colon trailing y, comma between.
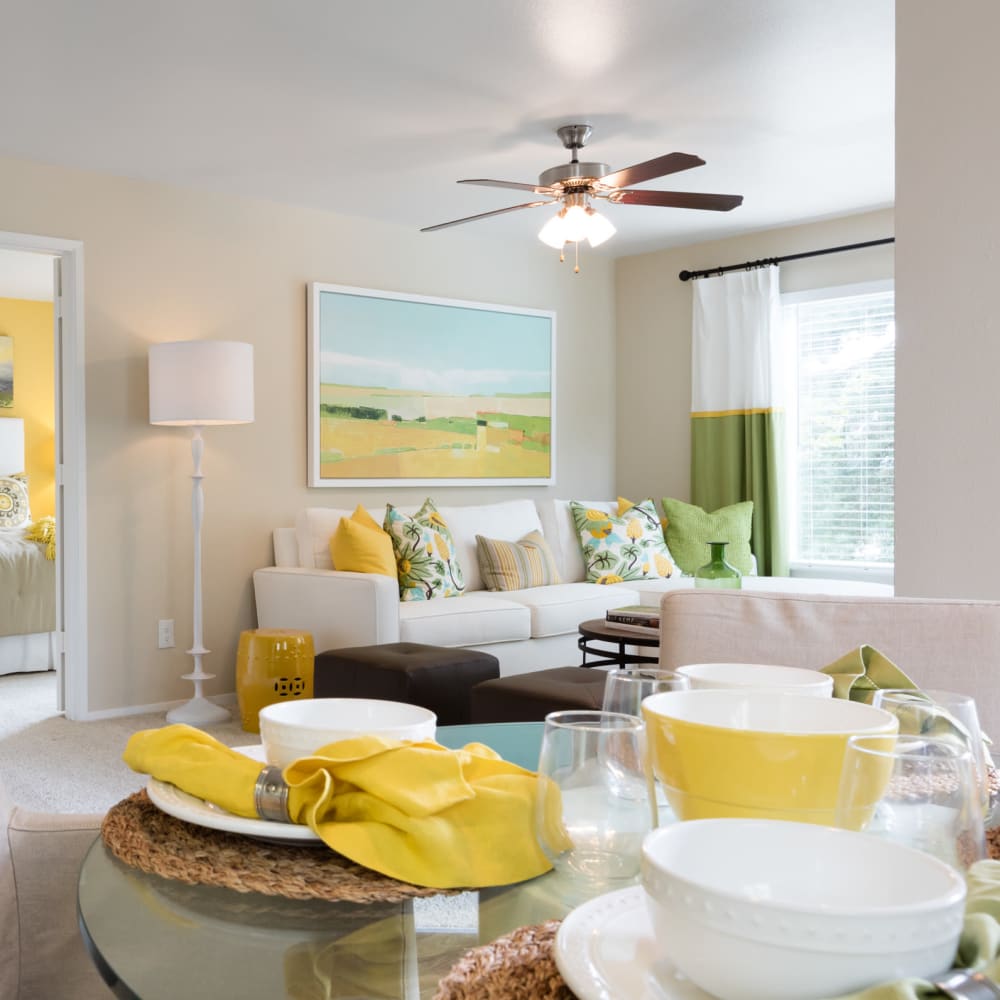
x: 948, y: 347
x: 653, y: 382
x: 164, y: 263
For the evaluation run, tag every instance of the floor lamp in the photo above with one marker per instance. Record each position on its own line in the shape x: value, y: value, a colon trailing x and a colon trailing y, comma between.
x: 199, y: 383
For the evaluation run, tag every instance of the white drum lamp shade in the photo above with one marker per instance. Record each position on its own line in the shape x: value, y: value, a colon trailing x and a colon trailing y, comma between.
x: 11, y: 446
x: 201, y: 382
x: 197, y: 383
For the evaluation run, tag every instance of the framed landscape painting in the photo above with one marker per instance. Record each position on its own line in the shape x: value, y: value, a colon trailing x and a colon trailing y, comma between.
x: 410, y: 390
x: 6, y: 370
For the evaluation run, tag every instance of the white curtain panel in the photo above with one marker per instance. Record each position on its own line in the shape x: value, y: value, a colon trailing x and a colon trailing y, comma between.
x: 736, y: 356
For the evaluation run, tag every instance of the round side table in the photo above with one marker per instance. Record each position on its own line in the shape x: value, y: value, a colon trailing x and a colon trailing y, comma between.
x: 272, y: 664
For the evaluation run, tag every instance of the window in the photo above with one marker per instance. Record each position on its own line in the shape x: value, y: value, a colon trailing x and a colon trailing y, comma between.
x: 841, y: 427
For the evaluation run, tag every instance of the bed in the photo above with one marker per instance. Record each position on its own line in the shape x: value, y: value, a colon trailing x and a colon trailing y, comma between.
x: 27, y: 603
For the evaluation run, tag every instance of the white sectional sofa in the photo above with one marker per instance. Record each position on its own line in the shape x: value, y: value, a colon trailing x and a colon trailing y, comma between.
x: 526, y: 629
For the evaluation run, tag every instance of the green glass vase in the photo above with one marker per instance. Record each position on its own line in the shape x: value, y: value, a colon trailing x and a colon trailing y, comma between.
x: 717, y: 572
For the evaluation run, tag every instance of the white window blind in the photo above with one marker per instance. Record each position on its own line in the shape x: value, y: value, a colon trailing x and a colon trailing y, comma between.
x: 842, y: 479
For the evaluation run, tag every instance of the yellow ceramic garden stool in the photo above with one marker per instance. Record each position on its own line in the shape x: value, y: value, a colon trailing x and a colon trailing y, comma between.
x: 272, y: 664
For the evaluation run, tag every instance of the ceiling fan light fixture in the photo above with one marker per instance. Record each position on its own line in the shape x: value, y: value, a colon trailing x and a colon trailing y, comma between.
x: 577, y: 223
x: 553, y: 233
x: 599, y: 228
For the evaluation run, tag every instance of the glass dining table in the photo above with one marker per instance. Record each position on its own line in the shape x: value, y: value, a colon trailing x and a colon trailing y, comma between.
x: 154, y: 938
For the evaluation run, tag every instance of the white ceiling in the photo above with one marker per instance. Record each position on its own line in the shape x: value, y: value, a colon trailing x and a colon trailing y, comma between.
x: 376, y: 109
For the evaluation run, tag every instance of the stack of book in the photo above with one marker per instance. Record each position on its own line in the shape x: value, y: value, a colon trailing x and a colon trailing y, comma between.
x: 635, y: 618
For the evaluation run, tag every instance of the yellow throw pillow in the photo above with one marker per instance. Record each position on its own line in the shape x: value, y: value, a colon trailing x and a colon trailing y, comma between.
x: 359, y: 545
x: 516, y: 565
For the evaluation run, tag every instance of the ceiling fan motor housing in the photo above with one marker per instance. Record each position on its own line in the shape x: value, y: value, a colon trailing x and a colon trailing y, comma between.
x: 570, y: 175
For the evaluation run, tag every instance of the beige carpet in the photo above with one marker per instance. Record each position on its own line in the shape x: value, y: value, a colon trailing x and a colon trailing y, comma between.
x: 50, y: 764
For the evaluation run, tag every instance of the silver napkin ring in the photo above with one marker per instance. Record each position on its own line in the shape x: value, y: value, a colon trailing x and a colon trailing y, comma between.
x: 270, y: 795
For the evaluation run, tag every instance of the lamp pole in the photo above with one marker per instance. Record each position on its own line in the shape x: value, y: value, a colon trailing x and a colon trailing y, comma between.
x: 199, y: 710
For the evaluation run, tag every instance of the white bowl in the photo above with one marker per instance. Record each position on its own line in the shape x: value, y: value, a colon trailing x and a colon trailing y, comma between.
x: 294, y: 729
x: 795, y: 680
x: 751, y: 908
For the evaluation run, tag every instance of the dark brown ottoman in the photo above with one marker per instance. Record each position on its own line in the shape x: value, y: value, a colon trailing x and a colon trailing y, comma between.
x: 435, y: 677
x: 530, y: 697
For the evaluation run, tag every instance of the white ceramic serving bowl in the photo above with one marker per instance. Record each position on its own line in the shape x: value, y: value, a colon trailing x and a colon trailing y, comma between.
x: 294, y: 729
x: 794, y: 680
x: 752, y: 908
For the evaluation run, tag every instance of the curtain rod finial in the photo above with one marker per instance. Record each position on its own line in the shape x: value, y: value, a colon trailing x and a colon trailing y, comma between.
x: 685, y: 275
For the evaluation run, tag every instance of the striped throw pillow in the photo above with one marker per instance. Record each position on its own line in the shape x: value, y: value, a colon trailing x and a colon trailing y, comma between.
x: 516, y: 565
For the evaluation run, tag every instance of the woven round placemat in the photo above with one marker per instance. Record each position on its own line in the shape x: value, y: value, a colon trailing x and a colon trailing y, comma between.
x: 142, y: 836
x: 517, y: 966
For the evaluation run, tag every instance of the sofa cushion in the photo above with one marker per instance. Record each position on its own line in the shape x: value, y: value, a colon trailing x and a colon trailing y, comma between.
x: 560, y: 532
x: 689, y: 529
x: 360, y: 545
x: 621, y: 548
x: 527, y: 562
x: 469, y: 620
x: 559, y: 609
x: 314, y: 527
x: 425, y: 554
x: 507, y: 521
x: 650, y: 591
x: 653, y: 535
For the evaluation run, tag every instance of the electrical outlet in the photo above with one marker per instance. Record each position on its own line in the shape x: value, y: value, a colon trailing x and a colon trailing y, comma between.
x: 165, y: 633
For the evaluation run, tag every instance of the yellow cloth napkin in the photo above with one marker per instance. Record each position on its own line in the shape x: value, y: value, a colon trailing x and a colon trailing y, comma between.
x: 978, y: 947
x: 418, y: 812
x: 857, y: 675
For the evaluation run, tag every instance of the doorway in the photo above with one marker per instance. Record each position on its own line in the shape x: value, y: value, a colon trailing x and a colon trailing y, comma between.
x: 68, y: 498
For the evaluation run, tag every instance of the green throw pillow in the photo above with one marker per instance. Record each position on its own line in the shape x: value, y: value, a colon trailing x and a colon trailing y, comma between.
x: 620, y: 548
x: 425, y: 554
x: 689, y: 529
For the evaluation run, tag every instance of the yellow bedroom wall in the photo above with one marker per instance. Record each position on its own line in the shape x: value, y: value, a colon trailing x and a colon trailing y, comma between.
x: 29, y: 324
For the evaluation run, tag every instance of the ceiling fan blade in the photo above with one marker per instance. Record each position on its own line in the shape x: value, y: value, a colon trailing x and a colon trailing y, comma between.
x: 671, y: 163
x: 516, y: 185
x: 483, y: 215
x: 678, y: 199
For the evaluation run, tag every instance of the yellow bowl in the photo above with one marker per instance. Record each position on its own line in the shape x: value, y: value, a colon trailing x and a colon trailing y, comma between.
x: 756, y: 753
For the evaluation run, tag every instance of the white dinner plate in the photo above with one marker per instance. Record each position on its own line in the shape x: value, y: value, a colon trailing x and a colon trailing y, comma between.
x: 605, y: 950
x: 180, y: 805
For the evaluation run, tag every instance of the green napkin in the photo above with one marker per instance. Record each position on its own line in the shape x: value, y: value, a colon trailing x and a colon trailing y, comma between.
x: 857, y: 675
x: 978, y: 947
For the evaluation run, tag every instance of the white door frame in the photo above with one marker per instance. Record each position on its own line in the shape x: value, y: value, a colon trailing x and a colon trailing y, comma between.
x: 71, y: 466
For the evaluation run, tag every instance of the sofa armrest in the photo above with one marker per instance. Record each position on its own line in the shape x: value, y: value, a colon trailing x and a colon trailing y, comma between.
x: 340, y: 609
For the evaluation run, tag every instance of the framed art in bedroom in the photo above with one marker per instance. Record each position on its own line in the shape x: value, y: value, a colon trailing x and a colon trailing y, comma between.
x: 6, y: 370
x: 408, y: 390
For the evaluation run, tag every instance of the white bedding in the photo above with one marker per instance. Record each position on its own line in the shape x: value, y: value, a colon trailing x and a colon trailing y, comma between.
x: 27, y: 604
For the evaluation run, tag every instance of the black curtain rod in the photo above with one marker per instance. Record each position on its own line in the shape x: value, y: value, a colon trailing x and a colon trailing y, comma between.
x: 768, y: 261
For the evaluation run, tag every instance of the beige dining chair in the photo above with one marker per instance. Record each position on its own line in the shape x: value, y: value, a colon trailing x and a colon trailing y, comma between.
x: 42, y: 955
x: 949, y: 645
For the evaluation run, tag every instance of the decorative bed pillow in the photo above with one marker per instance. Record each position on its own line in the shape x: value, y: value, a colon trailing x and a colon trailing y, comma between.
x: 425, y: 554
x: 616, y: 548
x: 653, y: 528
x: 518, y: 565
x: 689, y: 529
x: 14, y: 510
x: 360, y: 545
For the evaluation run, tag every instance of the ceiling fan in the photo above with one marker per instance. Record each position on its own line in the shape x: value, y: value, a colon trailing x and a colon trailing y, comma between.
x: 574, y: 185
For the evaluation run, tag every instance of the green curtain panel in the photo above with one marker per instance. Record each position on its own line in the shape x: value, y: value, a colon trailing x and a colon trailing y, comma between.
x: 737, y: 414
x: 737, y: 457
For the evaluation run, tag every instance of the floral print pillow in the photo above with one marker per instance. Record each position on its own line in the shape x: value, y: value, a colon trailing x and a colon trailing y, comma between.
x: 630, y: 547
x: 425, y: 554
